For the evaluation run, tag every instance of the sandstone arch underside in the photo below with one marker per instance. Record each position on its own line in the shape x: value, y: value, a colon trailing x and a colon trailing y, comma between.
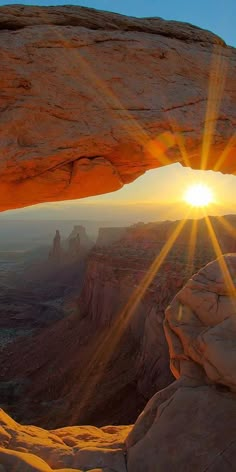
x: 91, y: 100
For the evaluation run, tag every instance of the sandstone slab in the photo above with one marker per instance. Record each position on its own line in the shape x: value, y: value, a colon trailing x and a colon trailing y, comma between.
x: 91, y: 100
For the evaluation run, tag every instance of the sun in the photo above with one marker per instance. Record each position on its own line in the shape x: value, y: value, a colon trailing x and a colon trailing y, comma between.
x: 198, y: 195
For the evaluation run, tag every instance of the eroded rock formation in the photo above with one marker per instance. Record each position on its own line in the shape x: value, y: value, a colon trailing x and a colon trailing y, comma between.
x: 191, y: 425
x: 188, y: 426
x: 91, y: 100
x: 64, y: 252
x: 79, y: 238
x: 137, y: 365
x: 56, y: 252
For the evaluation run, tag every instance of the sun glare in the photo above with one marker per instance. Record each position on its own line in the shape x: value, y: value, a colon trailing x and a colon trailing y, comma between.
x: 198, y: 195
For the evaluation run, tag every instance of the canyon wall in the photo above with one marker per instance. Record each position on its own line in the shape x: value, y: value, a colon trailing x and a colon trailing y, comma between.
x: 114, y: 354
x: 188, y: 426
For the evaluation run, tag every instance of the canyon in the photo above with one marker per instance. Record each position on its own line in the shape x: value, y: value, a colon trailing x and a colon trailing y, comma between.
x: 183, y: 425
x: 124, y: 350
x: 89, y: 102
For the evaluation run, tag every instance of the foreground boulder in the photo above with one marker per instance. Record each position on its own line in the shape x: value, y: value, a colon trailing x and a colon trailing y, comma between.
x: 190, y: 425
x: 91, y: 100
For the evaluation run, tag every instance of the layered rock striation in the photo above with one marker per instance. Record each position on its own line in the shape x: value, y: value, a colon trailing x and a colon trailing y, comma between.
x: 188, y: 426
x: 91, y: 100
x: 114, y: 356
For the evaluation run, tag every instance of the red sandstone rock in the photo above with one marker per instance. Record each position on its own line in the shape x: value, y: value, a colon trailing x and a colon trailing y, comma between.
x: 91, y: 100
x: 86, y: 448
x: 190, y: 425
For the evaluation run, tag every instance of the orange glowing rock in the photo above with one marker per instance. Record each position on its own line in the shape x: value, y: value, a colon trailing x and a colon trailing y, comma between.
x: 96, y: 99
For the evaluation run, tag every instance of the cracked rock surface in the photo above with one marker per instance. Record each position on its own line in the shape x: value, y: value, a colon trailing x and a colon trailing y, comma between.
x: 91, y: 100
x: 190, y: 425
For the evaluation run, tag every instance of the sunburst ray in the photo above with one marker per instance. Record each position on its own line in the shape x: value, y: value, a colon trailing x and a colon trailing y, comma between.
x: 231, y: 230
x: 224, y: 269
x: 154, y: 147
x: 217, y: 78
x: 192, y: 246
x: 231, y: 144
x: 107, y: 345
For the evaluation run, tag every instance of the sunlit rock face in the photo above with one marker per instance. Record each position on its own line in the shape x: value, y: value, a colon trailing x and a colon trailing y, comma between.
x: 91, y: 100
x: 200, y: 324
x: 78, y: 448
x: 190, y: 425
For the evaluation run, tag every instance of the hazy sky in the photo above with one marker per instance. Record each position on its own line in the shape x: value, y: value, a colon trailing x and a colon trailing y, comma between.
x: 155, y: 194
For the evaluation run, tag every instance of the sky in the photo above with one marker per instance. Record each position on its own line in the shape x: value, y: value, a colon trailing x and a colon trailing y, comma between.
x: 159, y: 193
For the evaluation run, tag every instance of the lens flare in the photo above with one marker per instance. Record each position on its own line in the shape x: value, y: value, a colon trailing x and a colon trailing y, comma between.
x: 198, y: 195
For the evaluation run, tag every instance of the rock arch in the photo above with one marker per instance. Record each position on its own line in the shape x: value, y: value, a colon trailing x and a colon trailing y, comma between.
x: 91, y: 100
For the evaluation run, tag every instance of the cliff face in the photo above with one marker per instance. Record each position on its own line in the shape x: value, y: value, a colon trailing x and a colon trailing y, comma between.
x: 115, y: 270
x: 114, y: 357
x: 91, y: 100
